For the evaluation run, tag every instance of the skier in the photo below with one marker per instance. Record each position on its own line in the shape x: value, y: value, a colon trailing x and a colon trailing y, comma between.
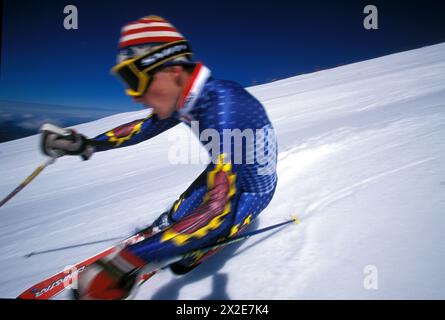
x: 155, y: 63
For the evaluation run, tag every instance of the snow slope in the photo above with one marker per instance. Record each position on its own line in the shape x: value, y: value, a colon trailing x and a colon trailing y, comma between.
x: 361, y: 162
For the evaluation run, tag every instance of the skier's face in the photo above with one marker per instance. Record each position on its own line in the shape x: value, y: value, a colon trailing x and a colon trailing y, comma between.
x: 164, y: 91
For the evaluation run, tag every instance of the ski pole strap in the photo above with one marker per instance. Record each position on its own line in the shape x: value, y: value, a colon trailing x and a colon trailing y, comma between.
x: 27, y: 180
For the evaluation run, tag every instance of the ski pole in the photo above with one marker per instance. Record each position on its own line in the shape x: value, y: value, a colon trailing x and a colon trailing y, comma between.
x: 152, y: 269
x: 28, y: 180
x: 77, y: 245
x: 240, y: 237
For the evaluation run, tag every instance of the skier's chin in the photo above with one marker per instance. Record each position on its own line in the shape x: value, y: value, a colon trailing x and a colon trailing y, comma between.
x: 161, y: 116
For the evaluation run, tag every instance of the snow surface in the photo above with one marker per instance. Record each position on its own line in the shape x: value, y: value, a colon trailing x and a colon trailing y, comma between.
x: 361, y: 162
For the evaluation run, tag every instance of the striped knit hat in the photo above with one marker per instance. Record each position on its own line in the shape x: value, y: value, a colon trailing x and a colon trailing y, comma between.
x: 146, y: 34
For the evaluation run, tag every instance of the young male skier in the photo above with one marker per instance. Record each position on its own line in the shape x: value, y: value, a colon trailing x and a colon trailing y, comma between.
x: 155, y: 63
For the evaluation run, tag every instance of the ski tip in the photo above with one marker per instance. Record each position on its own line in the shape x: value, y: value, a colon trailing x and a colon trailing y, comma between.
x: 295, y: 219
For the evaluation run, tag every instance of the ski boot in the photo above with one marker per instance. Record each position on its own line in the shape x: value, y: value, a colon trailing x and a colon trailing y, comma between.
x: 109, y: 278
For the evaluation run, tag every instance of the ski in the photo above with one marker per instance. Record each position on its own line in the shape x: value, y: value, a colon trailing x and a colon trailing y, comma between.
x: 55, y: 284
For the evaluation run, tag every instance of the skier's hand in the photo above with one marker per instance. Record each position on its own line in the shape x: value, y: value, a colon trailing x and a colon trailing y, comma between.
x: 57, y: 142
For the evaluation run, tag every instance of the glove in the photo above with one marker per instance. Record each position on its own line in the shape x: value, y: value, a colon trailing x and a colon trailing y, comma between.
x: 57, y: 142
x: 162, y: 222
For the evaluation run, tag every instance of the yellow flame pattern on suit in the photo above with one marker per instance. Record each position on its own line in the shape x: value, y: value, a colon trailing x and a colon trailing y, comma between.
x: 135, y: 130
x: 198, y: 254
x: 235, y: 228
x: 180, y: 239
x: 177, y: 204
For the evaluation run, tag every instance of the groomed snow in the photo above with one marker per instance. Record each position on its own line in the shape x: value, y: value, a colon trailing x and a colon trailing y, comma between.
x: 361, y: 163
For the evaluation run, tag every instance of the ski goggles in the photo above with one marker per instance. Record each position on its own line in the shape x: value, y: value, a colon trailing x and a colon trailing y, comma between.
x: 137, y: 73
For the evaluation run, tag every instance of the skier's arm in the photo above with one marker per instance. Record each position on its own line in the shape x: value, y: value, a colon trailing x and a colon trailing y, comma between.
x: 132, y: 133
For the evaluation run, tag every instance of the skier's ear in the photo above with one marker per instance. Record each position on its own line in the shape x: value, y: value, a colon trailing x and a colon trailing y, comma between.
x: 174, y: 72
x: 177, y: 72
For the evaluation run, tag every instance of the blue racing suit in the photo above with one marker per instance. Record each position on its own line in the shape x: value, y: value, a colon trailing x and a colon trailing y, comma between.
x: 238, y: 183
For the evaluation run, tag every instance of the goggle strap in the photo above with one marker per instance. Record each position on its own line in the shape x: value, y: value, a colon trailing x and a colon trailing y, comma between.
x: 163, y: 54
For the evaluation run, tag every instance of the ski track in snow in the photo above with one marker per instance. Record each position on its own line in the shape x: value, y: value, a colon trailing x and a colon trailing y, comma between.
x: 360, y: 163
x: 345, y: 192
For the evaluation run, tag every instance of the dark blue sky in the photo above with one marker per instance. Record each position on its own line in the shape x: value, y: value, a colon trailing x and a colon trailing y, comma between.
x: 246, y: 41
